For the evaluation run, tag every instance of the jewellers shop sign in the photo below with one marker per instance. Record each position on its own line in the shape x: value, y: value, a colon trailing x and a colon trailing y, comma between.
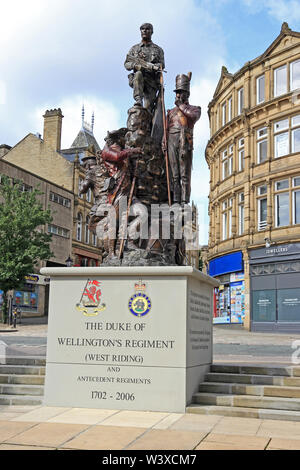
x: 275, y: 251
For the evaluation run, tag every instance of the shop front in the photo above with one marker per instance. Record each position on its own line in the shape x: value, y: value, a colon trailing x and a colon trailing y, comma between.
x: 32, y: 297
x: 85, y: 258
x: 229, y: 304
x: 275, y: 288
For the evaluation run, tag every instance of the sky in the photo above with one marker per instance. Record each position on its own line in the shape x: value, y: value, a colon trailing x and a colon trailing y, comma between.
x: 66, y: 53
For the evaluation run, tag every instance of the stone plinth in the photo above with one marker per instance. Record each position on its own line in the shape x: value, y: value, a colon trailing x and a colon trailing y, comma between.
x: 136, y: 338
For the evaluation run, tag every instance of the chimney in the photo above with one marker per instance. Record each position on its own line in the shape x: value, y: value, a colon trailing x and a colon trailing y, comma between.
x: 52, y: 128
x: 4, y: 149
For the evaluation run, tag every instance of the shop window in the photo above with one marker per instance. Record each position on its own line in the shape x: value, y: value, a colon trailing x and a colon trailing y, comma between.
x: 27, y: 297
x: 288, y: 304
x: 260, y: 89
x: 77, y: 260
x: 264, y: 306
x: 84, y: 261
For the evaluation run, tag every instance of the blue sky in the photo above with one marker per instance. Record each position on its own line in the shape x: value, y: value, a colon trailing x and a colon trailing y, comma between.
x: 63, y: 53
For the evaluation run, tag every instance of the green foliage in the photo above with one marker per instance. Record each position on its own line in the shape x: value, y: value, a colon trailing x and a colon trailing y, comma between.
x: 22, y: 239
x: 200, y: 261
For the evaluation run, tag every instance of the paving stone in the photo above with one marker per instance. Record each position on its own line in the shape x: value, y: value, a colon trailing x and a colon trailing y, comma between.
x: 17, y: 447
x: 144, y: 419
x: 280, y: 428
x: 41, y: 414
x: 48, y: 434
x: 82, y: 416
x: 191, y: 422
x: 237, y: 439
x: 284, y: 444
x: 235, y: 425
x: 105, y: 438
x: 168, y: 440
x: 168, y: 421
x: 9, y: 429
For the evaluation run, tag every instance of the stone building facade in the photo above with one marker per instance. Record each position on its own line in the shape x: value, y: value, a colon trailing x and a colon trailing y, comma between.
x: 254, y: 203
x: 43, y: 156
x: 32, y: 298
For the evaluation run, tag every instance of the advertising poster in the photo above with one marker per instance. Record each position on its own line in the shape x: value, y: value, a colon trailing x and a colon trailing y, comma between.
x: 237, y: 302
x: 222, y: 305
x: 26, y: 299
x: 18, y: 297
x: 33, y: 299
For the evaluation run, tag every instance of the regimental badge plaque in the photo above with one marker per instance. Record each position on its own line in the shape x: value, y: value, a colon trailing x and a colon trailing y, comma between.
x: 139, y: 303
x: 90, y: 303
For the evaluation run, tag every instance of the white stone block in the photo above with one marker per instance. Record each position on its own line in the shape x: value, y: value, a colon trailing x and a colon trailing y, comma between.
x: 144, y: 344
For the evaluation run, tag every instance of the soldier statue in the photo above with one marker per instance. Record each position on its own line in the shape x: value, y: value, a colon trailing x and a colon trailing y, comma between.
x: 96, y: 174
x: 180, y: 124
x: 145, y: 59
x: 116, y: 159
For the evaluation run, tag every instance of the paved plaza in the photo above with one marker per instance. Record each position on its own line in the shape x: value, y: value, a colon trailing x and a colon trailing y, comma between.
x: 50, y: 428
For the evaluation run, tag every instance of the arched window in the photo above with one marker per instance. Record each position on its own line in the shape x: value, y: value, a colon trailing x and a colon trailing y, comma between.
x: 79, y: 227
x: 87, y: 232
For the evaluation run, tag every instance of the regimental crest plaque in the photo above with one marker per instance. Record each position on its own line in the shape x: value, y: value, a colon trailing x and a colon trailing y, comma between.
x: 91, y: 303
x: 139, y: 303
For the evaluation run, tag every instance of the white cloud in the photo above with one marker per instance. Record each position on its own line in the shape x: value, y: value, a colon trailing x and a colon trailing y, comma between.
x: 65, y: 53
x: 107, y: 117
x: 281, y: 10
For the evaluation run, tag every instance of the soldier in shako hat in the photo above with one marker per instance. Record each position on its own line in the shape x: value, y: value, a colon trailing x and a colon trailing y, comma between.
x: 180, y: 125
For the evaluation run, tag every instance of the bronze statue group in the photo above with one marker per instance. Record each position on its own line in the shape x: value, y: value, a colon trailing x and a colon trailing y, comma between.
x: 147, y: 163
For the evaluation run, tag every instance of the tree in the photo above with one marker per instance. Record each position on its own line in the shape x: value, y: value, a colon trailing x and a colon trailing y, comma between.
x: 23, y: 241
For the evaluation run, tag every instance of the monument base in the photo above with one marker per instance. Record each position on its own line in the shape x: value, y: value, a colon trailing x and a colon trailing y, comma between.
x: 134, y: 338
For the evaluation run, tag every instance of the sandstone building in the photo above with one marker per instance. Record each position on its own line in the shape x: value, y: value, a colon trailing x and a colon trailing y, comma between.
x: 43, y: 156
x: 254, y: 203
x: 32, y: 298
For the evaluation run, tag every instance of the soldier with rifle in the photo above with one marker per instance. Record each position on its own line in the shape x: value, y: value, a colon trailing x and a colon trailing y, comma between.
x: 146, y: 60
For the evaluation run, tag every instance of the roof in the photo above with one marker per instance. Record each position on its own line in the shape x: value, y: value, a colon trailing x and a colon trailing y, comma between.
x: 85, y: 139
x: 227, y: 77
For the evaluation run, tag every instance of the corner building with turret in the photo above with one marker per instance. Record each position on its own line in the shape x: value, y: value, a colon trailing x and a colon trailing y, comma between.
x: 254, y: 203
